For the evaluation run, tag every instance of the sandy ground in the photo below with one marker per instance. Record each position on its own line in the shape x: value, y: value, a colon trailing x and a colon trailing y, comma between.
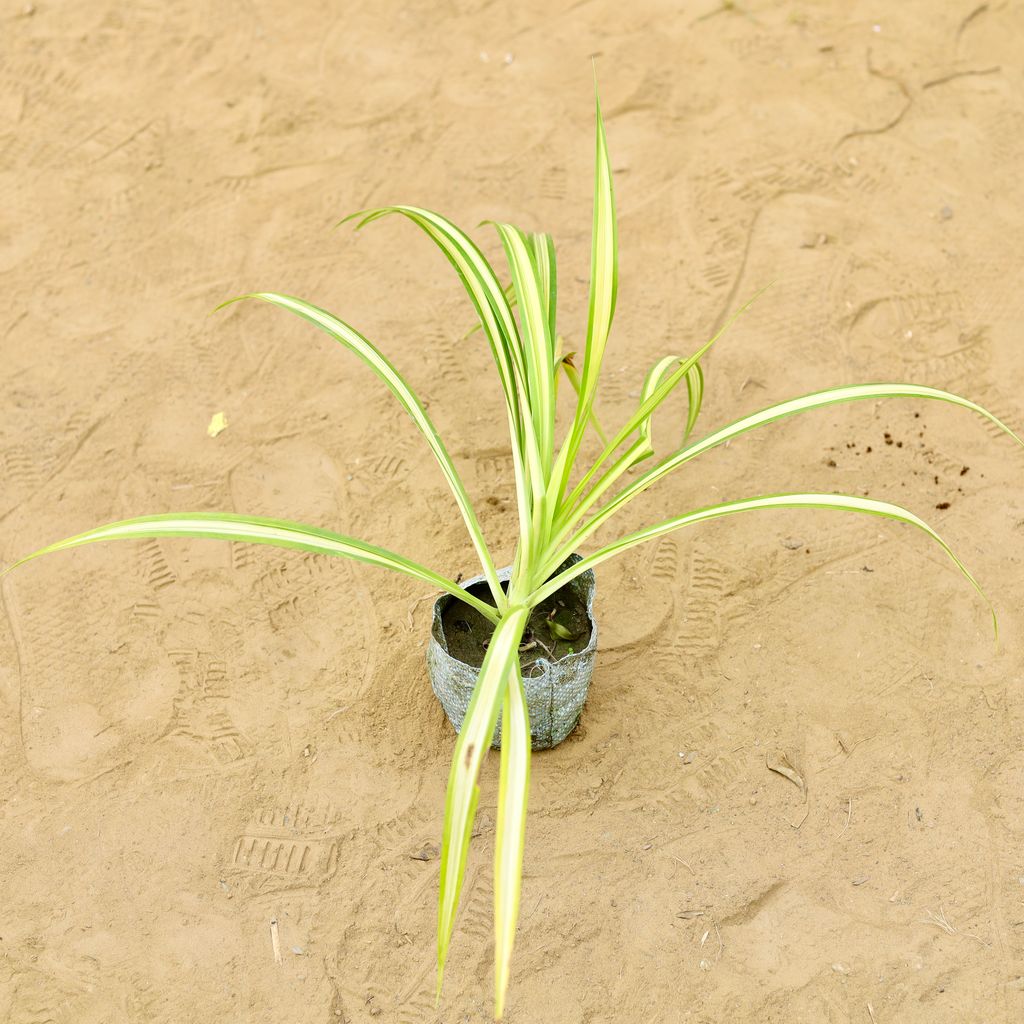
x: 196, y: 739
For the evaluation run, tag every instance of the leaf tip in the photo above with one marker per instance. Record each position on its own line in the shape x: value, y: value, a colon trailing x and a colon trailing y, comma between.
x: 348, y: 217
x: 439, y: 982
x: 232, y: 301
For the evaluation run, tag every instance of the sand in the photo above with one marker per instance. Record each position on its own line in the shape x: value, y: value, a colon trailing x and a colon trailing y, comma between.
x: 199, y: 740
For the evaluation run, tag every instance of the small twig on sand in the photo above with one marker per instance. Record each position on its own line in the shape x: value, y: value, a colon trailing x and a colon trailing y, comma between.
x: 275, y: 940
x: 415, y: 606
x: 685, y: 865
x: 807, y: 810
x: 849, y: 815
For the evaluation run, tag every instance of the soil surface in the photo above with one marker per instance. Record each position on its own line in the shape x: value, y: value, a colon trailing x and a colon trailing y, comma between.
x: 797, y: 790
x: 558, y: 627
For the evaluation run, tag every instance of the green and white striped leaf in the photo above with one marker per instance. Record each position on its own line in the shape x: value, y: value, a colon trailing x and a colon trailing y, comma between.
x: 538, y: 345
x: 481, y: 284
x: 510, y: 294
x: 815, y: 400
x: 573, y: 376
x: 351, y: 339
x: 643, y: 447
x: 499, y: 668
x: 681, y: 372
x: 604, y: 286
x: 258, y: 530
x: 572, y: 508
x: 694, y: 398
x: 495, y: 313
x: 839, y: 502
x: 694, y: 377
x: 604, y: 270
x: 513, y: 789
x: 542, y: 247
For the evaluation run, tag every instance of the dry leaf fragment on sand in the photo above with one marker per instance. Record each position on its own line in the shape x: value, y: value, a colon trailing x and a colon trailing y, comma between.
x: 218, y: 421
x: 780, y: 763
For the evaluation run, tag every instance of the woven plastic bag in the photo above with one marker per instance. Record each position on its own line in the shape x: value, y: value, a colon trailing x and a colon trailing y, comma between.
x: 555, y: 691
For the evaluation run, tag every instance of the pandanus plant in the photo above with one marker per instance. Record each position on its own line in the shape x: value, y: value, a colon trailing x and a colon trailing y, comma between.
x: 559, y: 508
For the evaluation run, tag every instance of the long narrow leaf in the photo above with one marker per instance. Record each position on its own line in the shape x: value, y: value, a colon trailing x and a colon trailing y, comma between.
x: 498, y: 669
x: 573, y: 376
x: 651, y: 382
x: 513, y: 788
x: 643, y: 447
x: 481, y: 284
x: 604, y: 269
x: 510, y: 294
x: 815, y: 400
x: 382, y: 366
x: 694, y: 398
x: 839, y: 502
x: 694, y: 393
x: 537, y: 344
x: 647, y: 408
x: 604, y: 286
x: 542, y: 247
x: 259, y: 530
x: 495, y: 312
